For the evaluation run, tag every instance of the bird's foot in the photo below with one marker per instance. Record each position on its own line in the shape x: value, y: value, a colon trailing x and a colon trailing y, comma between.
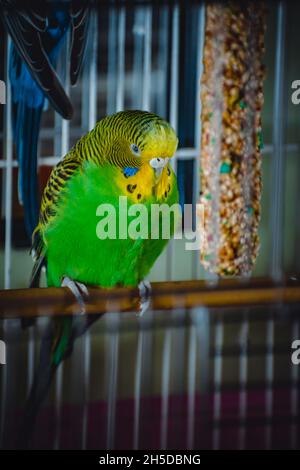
x: 145, y: 294
x: 79, y: 290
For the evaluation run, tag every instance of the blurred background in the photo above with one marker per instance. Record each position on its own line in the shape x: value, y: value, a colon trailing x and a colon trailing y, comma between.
x: 186, y: 378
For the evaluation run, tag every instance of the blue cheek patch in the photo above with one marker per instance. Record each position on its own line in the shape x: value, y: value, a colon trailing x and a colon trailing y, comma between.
x: 128, y: 171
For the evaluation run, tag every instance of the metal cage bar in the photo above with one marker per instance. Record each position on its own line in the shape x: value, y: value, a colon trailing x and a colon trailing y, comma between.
x: 8, y: 181
x: 278, y: 143
x: 218, y: 365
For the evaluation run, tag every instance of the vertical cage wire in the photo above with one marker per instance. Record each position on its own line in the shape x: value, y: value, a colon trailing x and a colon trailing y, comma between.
x: 202, y: 320
x: 174, y: 68
x: 3, y: 403
x: 112, y: 61
x: 143, y: 371
x: 89, y: 81
x: 269, y: 367
x: 86, y: 385
x: 30, y: 357
x: 62, y: 127
x: 177, y: 374
x: 112, y: 321
x: 58, y: 405
x: 147, y: 60
x: 192, y: 361
x: 197, y: 138
x: 120, y: 91
x: 294, y: 391
x: 89, y: 117
x: 217, y: 399
x: 278, y: 146
x: 8, y: 178
x: 243, y: 375
x: 138, y: 41
x: 165, y: 388
x: 8, y: 185
x: 162, y: 81
x: 174, y: 112
x: 179, y: 335
x: 138, y: 388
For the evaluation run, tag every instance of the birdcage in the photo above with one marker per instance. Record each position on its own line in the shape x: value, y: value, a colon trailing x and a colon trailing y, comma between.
x: 213, y: 362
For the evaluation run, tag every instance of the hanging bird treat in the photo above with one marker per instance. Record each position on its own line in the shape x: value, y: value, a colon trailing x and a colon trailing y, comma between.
x: 231, y: 141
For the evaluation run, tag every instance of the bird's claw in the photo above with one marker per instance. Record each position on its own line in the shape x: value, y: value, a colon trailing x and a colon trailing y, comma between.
x: 79, y: 290
x: 145, y: 293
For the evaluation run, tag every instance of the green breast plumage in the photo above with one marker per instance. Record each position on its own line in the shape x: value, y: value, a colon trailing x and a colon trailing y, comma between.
x: 73, y: 247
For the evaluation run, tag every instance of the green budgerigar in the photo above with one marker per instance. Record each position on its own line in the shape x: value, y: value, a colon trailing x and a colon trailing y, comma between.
x: 126, y: 154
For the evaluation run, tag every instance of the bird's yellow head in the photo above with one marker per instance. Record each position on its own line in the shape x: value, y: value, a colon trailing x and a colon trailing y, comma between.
x: 137, y: 138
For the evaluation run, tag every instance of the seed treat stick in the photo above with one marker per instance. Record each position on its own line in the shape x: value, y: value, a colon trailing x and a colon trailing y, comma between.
x: 231, y: 141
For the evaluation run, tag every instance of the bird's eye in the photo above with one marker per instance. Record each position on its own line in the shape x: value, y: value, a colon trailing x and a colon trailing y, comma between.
x: 135, y: 150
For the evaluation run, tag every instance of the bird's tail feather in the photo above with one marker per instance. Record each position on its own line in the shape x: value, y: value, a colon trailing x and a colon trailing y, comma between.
x: 26, y: 125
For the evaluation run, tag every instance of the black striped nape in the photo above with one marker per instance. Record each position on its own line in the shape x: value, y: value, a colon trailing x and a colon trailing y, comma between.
x: 111, y: 137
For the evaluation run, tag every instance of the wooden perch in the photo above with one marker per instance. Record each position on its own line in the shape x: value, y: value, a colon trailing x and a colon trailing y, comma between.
x: 52, y: 301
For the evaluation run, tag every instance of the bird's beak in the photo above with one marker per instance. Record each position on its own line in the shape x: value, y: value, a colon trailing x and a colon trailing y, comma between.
x: 158, y: 164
